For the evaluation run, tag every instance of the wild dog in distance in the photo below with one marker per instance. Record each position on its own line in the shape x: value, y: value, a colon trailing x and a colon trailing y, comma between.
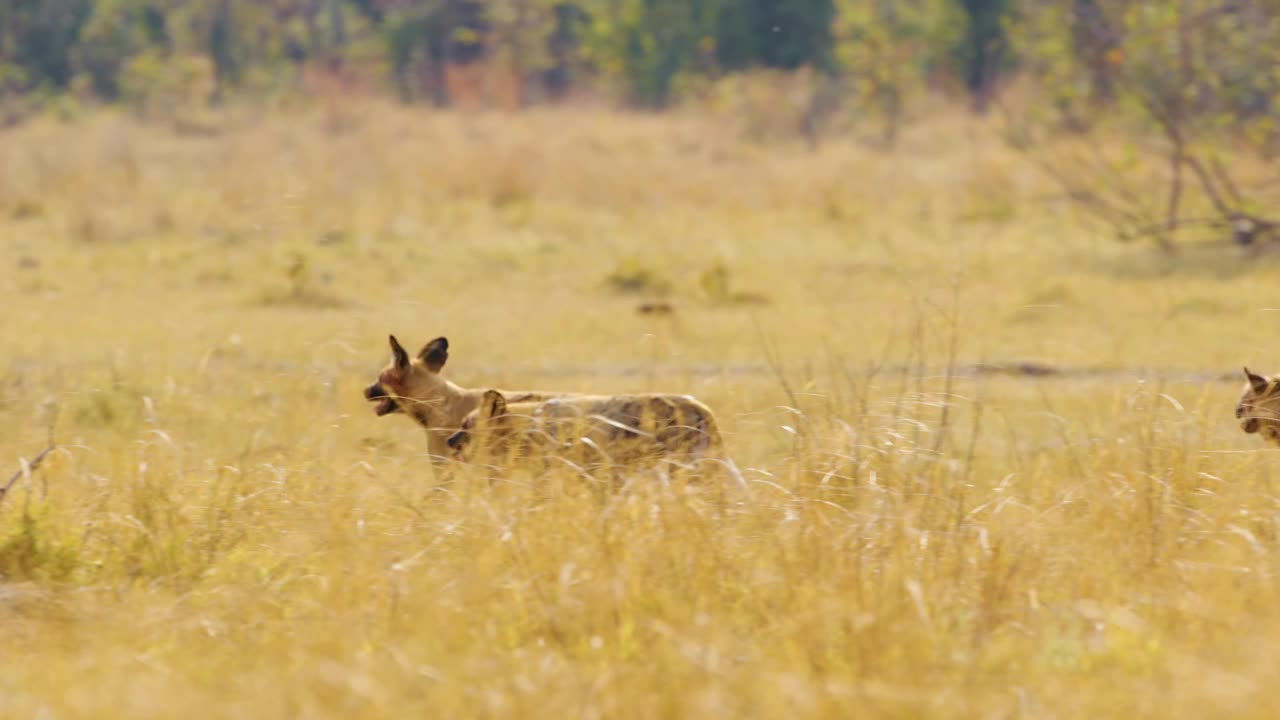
x: 414, y: 386
x: 592, y: 431
x: 1259, y: 406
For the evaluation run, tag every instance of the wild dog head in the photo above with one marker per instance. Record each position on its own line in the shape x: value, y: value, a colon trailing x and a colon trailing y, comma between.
x: 1259, y: 407
x: 490, y: 419
x: 411, y: 385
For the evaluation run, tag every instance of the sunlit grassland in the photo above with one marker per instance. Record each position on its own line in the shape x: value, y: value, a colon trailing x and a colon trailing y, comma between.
x: 227, y: 530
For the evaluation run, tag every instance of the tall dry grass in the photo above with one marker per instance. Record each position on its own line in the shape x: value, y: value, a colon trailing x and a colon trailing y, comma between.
x: 226, y: 530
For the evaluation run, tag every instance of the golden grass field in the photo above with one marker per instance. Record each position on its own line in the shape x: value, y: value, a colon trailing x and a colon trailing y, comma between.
x: 226, y: 530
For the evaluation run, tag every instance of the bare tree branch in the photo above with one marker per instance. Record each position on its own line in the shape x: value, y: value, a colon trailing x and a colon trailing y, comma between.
x: 1225, y: 180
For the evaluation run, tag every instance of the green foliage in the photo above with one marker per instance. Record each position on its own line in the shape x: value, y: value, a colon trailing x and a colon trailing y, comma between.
x: 41, y: 38
x: 984, y: 45
x: 32, y: 549
x: 647, y: 44
x: 222, y: 40
x: 1202, y: 58
x: 633, y: 276
x: 1184, y: 75
x: 778, y: 35
x: 878, y: 52
x: 118, y: 31
x: 564, y: 46
x: 422, y: 38
x: 152, y: 81
x: 888, y: 48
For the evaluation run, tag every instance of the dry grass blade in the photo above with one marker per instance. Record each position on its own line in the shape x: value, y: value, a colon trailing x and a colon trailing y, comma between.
x: 27, y: 467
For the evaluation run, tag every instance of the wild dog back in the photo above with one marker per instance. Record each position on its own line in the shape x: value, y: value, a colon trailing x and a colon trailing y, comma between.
x: 615, y: 430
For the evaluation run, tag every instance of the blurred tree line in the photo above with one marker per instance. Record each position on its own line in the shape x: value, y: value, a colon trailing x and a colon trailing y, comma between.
x: 1179, y: 76
x: 648, y: 51
x: 1195, y: 84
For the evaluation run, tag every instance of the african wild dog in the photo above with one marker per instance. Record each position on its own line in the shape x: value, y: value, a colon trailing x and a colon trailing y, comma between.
x: 414, y: 386
x: 593, y: 430
x: 1259, y: 406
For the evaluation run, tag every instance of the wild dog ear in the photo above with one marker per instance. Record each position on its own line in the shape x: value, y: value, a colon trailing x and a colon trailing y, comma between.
x: 457, y: 440
x: 493, y: 404
x: 400, y: 354
x: 434, y: 354
x: 1258, y: 382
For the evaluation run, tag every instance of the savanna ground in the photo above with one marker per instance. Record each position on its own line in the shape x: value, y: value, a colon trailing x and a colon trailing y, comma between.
x: 226, y: 530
